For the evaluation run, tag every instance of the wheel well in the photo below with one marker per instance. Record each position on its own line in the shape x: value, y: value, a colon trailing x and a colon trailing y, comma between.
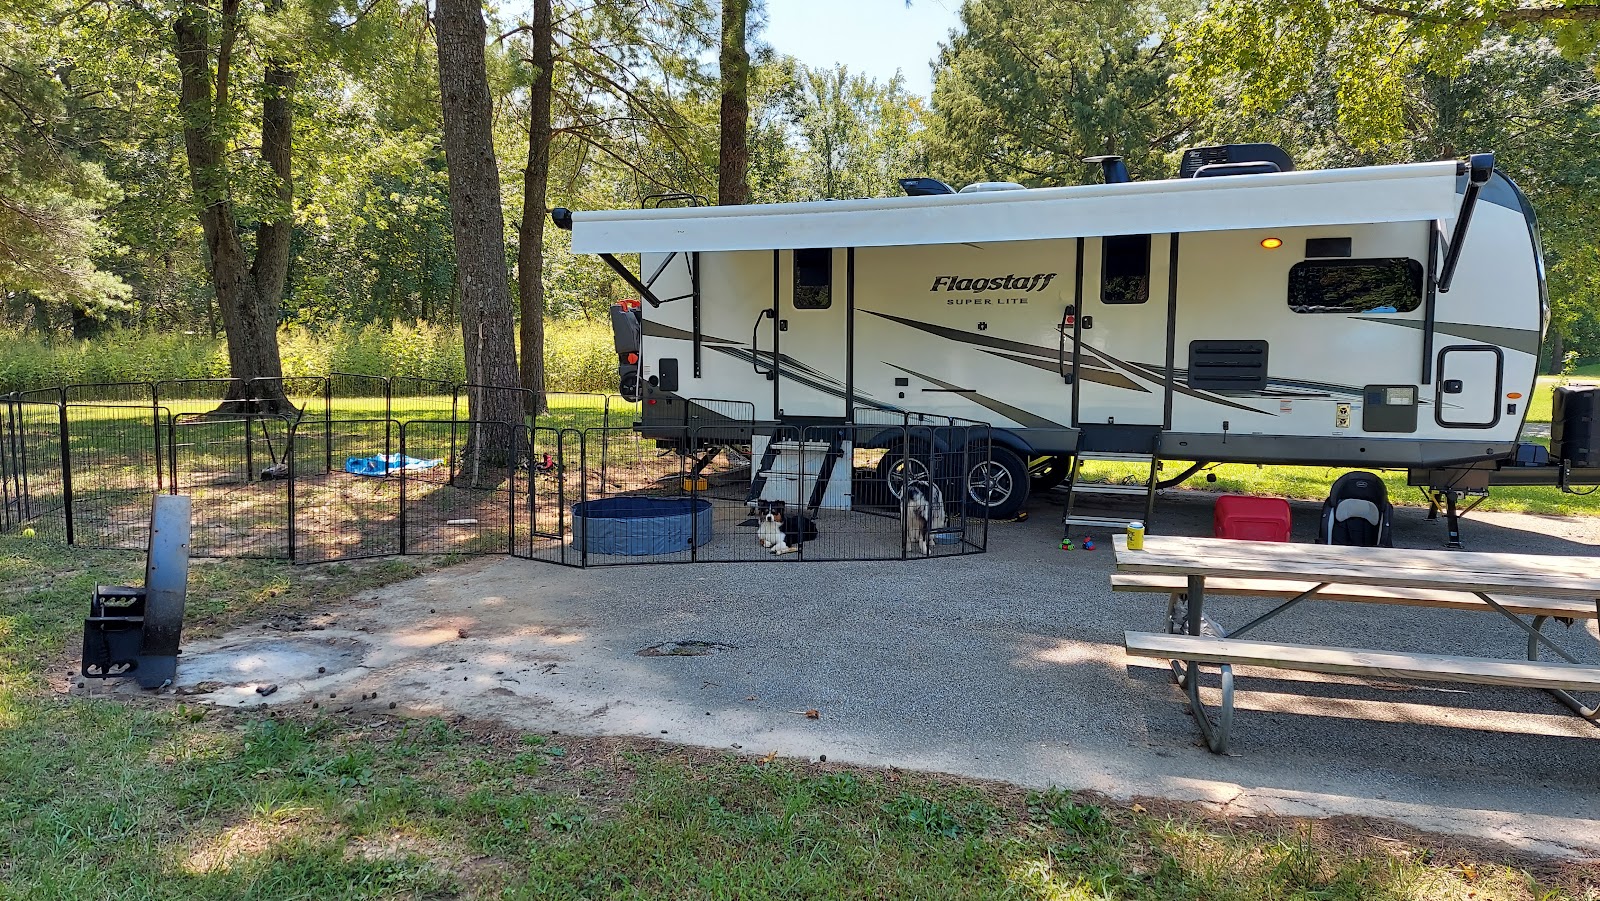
x: 1011, y: 442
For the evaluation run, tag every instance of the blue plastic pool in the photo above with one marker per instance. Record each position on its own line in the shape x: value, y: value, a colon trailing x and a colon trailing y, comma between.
x: 636, y: 526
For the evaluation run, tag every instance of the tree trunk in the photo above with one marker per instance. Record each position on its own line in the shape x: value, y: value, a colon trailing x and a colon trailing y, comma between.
x: 1558, y: 351
x: 733, y: 153
x: 479, y: 230
x: 271, y: 267
x: 251, y: 326
x: 535, y: 185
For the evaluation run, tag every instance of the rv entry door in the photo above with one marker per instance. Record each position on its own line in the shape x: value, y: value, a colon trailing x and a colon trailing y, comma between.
x: 1121, y: 332
x: 813, y: 332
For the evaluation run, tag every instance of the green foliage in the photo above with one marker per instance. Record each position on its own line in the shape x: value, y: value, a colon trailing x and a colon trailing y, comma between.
x: 51, y: 192
x: 856, y: 136
x: 1247, y: 58
x: 1034, y: 86
x: 579, y: 355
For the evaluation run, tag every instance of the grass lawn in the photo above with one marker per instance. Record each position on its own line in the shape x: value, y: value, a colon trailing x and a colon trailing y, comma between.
x: 159, y: 797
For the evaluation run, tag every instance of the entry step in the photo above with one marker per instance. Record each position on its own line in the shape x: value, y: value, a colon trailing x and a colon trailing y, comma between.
x: 1110, y: 457
x: 1095, y: 488
x: 1108, y: 522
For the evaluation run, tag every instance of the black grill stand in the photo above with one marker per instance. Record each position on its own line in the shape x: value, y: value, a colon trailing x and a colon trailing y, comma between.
x: 135, y: 631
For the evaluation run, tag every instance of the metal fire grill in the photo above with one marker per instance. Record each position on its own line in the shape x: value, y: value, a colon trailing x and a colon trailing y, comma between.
x: 360, y: 466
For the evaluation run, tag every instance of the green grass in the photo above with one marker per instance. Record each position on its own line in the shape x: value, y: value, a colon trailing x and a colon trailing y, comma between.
x: 154, y: 798
x: 579, y: 355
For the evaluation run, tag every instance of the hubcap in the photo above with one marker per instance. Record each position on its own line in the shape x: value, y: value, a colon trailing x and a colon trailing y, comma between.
x: 917, y: 469
x: 989, y: 484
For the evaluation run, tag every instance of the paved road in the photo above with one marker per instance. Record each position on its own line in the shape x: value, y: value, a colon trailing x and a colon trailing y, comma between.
x: 1006, y: 665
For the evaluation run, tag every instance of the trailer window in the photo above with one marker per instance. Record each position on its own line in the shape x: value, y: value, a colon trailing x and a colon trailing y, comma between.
x: 1125, y: 269
x: 813, y: 278
x: 1391, y: 285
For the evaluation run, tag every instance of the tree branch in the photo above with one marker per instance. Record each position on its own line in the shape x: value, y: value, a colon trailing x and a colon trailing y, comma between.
x: 1516, y: 15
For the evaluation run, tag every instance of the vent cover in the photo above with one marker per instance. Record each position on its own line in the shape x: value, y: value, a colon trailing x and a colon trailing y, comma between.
x: 1228, y: 365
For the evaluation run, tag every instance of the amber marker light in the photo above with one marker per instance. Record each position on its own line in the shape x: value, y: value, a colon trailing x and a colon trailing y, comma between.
x: 1514, y: 395
x: 1272, y: 243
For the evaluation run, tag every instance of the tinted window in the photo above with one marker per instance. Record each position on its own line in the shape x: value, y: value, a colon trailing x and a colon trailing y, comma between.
x: 1125, y: 269
x: 1356, y: 286
x: 813, y: 278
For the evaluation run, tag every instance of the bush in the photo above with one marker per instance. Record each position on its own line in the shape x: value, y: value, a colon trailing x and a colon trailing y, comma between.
x: 578, y: 355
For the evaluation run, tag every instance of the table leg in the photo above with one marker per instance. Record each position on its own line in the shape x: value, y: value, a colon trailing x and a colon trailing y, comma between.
x: 1197, y: 603
x: 1535, y: 636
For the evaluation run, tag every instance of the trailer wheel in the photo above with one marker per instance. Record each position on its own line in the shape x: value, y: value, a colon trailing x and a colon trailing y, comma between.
x: 897, y: 465
x: 1048, y: 472
x: 997, y: 486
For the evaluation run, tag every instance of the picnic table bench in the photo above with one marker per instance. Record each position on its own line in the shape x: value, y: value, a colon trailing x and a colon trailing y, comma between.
x: 1187, y: 569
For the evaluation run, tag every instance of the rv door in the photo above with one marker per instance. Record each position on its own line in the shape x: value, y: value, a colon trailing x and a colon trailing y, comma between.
x: 1121, y: 334
x: 813, y: 333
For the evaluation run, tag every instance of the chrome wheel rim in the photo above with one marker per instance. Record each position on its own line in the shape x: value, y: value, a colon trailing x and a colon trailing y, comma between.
x: 896, y: 477
x: 989, y: 483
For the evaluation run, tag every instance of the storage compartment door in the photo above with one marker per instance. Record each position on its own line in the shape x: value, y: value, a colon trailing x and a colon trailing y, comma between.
x: 1467, y: 392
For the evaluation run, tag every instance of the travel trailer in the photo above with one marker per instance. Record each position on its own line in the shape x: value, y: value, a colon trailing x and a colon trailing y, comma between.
x: 1376, y: 317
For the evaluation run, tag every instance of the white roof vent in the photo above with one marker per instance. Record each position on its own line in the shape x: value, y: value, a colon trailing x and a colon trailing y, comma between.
x: 992, y: 186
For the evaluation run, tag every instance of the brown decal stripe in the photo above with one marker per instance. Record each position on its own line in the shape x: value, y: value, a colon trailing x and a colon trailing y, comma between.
x: 1015, y: 414
x: 1156, y: 375
x: 1096, y: 374
x: 970, y: 338
x: 653, y: 329
x: 1525, y: 340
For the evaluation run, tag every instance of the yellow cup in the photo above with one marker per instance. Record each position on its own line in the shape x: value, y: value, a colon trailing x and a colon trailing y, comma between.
x: 1135, y: 536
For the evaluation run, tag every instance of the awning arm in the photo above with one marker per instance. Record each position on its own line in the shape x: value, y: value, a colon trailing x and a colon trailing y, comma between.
x: 631, y: 279
x: 1480, y: 166
x: 562, y: 217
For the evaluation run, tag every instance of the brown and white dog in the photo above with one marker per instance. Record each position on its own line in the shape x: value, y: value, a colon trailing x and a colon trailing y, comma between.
x: 922, y: 508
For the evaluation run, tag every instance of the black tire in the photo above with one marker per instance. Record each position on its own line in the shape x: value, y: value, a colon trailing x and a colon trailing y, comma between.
x: 995, y: 485
x: 896, y: 458
x: 1048, y: 472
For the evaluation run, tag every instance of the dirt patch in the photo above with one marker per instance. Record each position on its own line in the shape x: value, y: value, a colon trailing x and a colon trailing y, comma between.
x: 684, y: 649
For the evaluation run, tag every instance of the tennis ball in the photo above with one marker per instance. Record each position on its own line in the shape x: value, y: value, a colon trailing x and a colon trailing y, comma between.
x: 27, y: 533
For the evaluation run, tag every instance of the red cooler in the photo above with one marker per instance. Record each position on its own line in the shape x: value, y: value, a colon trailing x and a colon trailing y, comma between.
x: 1251, y: 518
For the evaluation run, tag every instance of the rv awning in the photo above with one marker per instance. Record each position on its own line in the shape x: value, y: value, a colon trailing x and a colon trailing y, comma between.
x: 1415, y: 192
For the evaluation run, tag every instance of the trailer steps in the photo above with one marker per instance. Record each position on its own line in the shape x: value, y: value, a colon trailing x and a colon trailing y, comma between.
x: 1138, y: 445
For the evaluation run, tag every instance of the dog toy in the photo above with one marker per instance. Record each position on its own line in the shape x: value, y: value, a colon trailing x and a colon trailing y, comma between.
x: 1088, y: 544
x: 1066, y: 544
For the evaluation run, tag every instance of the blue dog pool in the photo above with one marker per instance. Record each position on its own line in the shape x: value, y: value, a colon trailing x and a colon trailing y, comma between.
x: 636, y: 526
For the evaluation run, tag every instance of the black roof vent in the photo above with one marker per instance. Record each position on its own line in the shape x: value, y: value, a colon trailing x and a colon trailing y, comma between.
x: 1234, y: 159
x: 1113, y: 171
x: 922, y: 186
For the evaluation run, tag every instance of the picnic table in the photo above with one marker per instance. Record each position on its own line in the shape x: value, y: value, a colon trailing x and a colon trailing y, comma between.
x: 1526, y: 590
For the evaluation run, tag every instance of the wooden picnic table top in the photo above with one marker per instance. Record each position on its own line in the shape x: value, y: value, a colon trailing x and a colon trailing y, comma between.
x: 1526, y: 574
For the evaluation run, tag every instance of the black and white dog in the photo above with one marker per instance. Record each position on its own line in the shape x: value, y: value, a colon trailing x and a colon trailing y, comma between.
x: 922, y: 508
x: 782, y: 532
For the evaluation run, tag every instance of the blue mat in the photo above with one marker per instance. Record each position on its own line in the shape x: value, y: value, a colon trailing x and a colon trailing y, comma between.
x: 383, y: 464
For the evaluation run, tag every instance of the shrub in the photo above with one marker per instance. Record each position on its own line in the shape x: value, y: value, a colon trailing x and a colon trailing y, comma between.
x: 578, y: 355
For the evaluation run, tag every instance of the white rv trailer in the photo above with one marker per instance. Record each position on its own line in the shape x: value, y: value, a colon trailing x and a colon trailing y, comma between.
x: 1340, y: 317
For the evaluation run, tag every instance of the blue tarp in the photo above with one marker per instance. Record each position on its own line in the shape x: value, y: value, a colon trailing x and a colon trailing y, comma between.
x: 383, y: 464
